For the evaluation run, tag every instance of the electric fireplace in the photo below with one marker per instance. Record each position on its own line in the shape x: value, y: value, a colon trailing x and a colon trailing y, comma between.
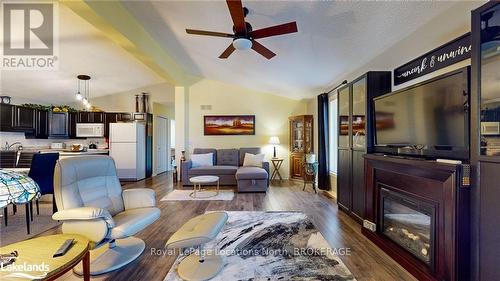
x: 417, y: 211
x: 408, y: 222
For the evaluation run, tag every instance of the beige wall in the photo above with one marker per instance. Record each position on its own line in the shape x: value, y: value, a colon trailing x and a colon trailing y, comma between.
x: 271, y: 116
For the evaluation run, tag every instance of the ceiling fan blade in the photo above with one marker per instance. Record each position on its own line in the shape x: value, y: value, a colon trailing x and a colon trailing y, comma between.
x: 281, y: 29
x: 227, y: 52
x: 238, y: 16
x: 259, y: 48
x: 209, y: 33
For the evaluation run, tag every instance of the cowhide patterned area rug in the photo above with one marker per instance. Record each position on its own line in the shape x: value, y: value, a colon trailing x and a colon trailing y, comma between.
x: 273, y: 246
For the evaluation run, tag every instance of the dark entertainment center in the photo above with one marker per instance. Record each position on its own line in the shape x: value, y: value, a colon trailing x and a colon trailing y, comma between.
x: 438, y: 219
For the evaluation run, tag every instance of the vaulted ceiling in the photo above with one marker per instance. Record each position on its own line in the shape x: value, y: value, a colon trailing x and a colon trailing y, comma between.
x: 334, y: 38
x: 83, y: 49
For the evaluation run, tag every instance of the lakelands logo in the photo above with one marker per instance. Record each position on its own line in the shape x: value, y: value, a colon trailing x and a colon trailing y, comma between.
x: 29, y: 35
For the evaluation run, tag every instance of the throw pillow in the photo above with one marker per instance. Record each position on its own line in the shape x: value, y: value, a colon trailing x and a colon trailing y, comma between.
x: 253, y: 160
x: 199, y: 160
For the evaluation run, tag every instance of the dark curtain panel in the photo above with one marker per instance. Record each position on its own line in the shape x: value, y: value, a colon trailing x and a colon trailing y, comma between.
x: 323, y: 153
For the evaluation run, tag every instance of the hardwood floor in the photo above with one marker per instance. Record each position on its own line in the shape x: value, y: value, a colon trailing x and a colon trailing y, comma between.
x: 366, y: 261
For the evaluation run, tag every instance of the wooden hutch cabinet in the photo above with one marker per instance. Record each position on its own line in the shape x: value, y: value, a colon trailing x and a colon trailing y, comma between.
x: 301, y: 143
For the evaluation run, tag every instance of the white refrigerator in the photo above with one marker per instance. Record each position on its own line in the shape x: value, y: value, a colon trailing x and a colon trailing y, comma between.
x: 127, y: 146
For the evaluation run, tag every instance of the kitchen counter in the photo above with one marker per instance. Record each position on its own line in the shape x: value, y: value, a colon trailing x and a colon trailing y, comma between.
x: 65, y: 152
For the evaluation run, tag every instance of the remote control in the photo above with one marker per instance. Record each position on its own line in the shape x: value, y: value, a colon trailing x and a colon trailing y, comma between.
x: 64, y: 248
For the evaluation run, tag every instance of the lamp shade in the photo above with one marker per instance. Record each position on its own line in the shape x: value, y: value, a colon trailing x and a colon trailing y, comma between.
x: 16, y: 188
x: 274, y: 140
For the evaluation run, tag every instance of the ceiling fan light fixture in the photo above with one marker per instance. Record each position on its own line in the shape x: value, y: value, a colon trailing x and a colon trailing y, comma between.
x: 242, y: 43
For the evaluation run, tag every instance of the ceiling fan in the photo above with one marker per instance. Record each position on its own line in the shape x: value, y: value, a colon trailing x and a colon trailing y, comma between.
x: 244, y: 36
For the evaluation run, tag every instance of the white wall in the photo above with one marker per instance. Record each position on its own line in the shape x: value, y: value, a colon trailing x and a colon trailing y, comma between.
x: 271, y: 116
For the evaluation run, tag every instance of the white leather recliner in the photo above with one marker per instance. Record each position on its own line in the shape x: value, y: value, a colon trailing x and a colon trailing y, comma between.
x: 91, y: 203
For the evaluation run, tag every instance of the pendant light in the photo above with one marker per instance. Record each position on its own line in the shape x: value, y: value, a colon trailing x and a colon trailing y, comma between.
x: 79, y: 96
x: 85, y: 79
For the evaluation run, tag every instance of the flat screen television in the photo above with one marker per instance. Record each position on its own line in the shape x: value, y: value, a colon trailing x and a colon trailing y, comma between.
x: 429, y: 119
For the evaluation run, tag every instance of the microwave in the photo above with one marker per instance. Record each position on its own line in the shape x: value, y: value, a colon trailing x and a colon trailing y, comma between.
x: 89, y: 130
x: 490, y: 128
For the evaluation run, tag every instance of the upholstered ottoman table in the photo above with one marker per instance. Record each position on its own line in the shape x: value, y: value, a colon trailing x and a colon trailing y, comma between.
x: 201, y: 264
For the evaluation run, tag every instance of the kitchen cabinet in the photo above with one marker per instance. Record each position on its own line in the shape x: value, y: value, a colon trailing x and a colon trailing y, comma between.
x: 72, y: 120
x: 90, y: 117
x: 58, y: 125
x: 6, y: 117
x: 17, y: 118
x: 41, y: 125
x: 108, y: 119
x: 355, y: 137
x: 24, y: 118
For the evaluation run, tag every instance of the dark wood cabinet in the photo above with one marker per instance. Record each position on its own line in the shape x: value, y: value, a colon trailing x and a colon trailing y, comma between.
x: 58, y: 125
x: 108, y: 119
x: 90, y: 117
x: 485, y: 152
x: 17, y: 118
x: 355, y: 137
x: 6, y: 117
x: 72, y: 120
x: 24, y: 118
x: 301, y: 143
x: 42, y: 124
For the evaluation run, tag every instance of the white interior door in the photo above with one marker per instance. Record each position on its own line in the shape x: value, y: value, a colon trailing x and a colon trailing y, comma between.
x: 161, y: 144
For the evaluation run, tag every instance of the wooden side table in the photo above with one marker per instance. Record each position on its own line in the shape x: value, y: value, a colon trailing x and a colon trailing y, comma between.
x: 277, y: 162
x: 37, y: 253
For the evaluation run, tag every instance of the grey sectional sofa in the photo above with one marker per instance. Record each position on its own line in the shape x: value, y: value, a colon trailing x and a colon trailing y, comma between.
x: 228, y: 166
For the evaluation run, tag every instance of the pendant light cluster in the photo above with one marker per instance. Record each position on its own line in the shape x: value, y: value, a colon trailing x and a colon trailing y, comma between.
x: 84, y: 98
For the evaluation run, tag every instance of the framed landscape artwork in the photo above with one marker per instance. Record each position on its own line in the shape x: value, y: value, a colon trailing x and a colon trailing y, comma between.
x: 217, y: 125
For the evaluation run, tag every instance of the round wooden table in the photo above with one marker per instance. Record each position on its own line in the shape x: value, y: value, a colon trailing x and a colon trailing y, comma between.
x: 35, y: 258
x: 199, y: 180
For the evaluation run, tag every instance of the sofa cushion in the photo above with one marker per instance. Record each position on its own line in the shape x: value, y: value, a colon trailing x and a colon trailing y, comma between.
x: 228, y: 157
x: 251, y: 150
x: 207, y: 150
x: 213, y: 170
x: 251, y: 173
x: 200, y: 160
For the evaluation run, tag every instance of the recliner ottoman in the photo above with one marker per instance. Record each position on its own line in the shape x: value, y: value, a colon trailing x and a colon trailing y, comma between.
x: 252, y: 179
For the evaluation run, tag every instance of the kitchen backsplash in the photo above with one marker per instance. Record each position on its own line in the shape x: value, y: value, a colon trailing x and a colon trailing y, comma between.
x: 12, y: 137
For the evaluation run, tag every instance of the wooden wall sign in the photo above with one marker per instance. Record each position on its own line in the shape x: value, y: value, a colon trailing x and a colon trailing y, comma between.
x: 443, y: 56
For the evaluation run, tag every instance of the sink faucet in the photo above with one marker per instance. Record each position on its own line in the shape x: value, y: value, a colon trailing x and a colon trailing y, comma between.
x: 8, y: 147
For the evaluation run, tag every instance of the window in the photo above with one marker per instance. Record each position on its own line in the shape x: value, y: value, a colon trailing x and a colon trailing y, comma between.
x: 332, y: 121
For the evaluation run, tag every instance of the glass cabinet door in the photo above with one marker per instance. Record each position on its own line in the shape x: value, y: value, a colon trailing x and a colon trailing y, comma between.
x: 359, y: 114
x: 297, y: 135
x: 308, y: 125
x: 343, y: 113
x: 490, y: 85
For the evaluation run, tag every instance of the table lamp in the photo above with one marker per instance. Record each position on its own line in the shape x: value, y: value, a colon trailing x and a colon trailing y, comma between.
x: 274, y: 141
